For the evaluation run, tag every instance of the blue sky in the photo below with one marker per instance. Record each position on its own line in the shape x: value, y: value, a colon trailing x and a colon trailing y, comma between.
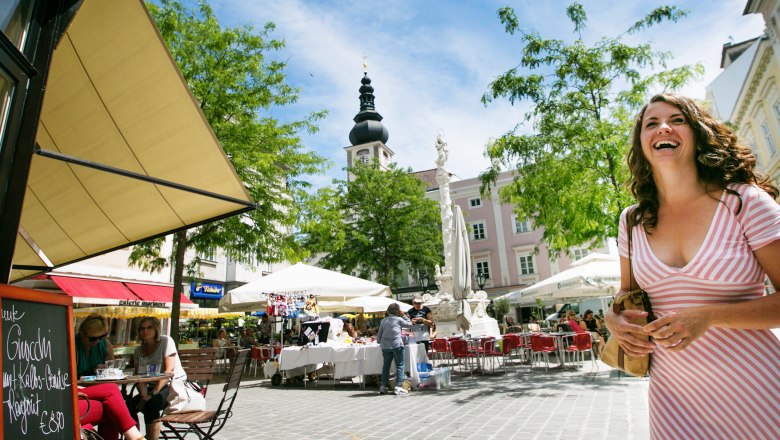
x: 431, y: 61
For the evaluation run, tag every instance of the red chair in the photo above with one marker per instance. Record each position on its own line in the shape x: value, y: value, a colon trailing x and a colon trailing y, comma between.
x: 440, y: 349
x: 260, y: 355
x: 511, y: 343
x: 582, y: 343
x: 524, y: 349
x: 542, y: 346
x: 487, y: 350
x: 460, y: 351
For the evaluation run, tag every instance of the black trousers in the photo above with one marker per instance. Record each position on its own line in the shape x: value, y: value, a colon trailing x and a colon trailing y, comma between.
x: 153, y: 408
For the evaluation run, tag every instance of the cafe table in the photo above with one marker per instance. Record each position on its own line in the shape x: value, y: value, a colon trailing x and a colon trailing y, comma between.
x: 86, y: 381
x: 561, y: 344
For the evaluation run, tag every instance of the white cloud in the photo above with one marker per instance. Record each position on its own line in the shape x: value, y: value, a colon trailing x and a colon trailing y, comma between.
x: 431, y: 62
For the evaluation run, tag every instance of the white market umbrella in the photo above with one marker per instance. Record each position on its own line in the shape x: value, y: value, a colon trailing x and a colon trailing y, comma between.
x: 374, y: 304
x: 596, y: 275
x: 461, y: 268
x: 331, y: 288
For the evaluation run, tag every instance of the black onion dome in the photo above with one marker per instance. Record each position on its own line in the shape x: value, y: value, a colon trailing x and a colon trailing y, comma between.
x: 368, y: 127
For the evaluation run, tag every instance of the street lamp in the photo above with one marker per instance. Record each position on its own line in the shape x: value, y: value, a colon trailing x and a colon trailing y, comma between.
x: 424, y: 282
x: 481, y: 278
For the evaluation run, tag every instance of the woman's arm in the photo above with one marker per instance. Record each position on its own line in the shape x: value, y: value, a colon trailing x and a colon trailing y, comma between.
x: 169, y: 366
x: 677, y: 330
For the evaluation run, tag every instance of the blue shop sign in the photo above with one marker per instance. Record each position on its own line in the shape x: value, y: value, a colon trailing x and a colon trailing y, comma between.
x: 202, y: 290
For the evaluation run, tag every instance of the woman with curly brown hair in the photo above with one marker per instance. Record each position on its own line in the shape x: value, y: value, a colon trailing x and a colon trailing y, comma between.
x: 704, y: 235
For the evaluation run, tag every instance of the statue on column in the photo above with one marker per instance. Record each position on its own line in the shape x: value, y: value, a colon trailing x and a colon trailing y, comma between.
x: 450, y: 313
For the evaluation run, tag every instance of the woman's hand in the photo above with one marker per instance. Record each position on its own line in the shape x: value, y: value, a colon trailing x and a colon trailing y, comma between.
x: 676, y: 330
x: 628, y: 334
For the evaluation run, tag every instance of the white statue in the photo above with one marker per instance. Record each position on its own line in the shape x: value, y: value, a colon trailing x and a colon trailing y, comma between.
x: 447, y: 312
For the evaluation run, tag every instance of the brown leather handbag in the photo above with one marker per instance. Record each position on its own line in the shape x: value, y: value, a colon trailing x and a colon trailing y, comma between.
x: 613, y: 354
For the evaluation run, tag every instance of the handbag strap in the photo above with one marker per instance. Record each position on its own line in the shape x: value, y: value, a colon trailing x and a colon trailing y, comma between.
x: 621, y: 353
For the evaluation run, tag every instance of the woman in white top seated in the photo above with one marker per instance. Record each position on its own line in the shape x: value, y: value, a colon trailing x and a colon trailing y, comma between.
x: 160, y: 351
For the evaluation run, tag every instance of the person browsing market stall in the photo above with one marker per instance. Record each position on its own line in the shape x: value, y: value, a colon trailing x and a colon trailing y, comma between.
x: 701, y: 241
x: 392, y: 345
x: 93, y: 348
x: 158, y: 351
x: 421, y: 318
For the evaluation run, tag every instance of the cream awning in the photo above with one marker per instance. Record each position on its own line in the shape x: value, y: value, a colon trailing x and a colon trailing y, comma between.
x: 115, y: 97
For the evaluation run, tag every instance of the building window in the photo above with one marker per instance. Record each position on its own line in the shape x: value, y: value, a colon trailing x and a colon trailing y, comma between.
x: 475, y: 202
x: 15, y: 20
x: 770, y: 142
x: 208, y: 255
x: 776, y: 108
x: 526, y: 263
x: 579, y: 254
x: 521, y: 227
x: 478, y: 231
x: 482, y: 267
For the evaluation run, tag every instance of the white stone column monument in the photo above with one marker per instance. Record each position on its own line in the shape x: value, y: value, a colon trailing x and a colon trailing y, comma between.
x: 442, y: 304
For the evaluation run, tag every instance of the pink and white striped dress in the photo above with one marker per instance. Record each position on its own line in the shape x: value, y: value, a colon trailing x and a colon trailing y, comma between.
x: 726, y: 384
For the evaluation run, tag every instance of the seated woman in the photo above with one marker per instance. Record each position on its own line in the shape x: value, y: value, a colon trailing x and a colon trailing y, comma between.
x: 92, y: 346
x: 103, y: 406
x: 223, y: 345
x: 350, y: 330
x: 247, y: 338
x: 593, y: 325
x: 432, y: 330
x: 158, y: 350
x: 571, y: 321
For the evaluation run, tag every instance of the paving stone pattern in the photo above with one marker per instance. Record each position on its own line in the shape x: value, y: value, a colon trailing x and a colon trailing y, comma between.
x: 523, y: 404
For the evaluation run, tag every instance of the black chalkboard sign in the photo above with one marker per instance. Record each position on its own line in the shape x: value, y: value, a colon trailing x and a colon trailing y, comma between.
x: 39, y: 390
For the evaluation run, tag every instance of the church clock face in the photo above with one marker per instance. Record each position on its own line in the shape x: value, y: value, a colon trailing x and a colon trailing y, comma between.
x: 362, y: 155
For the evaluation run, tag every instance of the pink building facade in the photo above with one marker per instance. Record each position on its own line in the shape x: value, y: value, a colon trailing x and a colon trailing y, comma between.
x: 502, y: 245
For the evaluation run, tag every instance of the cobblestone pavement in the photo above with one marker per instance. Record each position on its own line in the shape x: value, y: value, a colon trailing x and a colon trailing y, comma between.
x: 577, y: 404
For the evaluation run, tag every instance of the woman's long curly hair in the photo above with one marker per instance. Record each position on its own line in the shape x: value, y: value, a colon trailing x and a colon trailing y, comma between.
x: 720, y: 159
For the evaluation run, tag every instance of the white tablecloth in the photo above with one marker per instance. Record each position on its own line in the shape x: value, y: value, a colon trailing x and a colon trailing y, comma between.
x: 351, y: 360
x: 294, y: 357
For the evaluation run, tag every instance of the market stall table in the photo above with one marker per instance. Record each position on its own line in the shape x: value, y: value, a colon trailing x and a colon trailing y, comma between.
x: 350, y: 360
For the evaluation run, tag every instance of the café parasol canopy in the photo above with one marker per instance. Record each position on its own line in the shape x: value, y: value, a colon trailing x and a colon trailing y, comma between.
x: 373, y: 304
x: 461, y: 269
x: 331, y: 288
x: 594, y: 276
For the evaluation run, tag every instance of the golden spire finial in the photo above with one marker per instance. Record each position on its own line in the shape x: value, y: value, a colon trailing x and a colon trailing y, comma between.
x: 365, y: 63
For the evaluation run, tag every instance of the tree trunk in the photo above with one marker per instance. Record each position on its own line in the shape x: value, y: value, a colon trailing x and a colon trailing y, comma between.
x: 179, y: 247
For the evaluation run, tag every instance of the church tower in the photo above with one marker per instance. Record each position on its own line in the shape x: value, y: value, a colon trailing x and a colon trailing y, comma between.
x: 368, y: 137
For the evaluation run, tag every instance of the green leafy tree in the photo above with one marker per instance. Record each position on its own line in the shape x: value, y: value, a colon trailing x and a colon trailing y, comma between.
x: 569, y: 173
x: 375, y: 225
x: 501, y: 307
x: 236, y: 83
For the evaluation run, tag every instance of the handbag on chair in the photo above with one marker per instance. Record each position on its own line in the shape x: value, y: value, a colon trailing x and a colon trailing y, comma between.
x: 613, y: 354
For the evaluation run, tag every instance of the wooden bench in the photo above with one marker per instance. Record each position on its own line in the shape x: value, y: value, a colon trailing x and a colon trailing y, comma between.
x: 199, y: 364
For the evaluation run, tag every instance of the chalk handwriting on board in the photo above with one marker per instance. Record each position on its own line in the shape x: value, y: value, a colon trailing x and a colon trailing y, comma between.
x: 36, y: 373
x: 11, y: 314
